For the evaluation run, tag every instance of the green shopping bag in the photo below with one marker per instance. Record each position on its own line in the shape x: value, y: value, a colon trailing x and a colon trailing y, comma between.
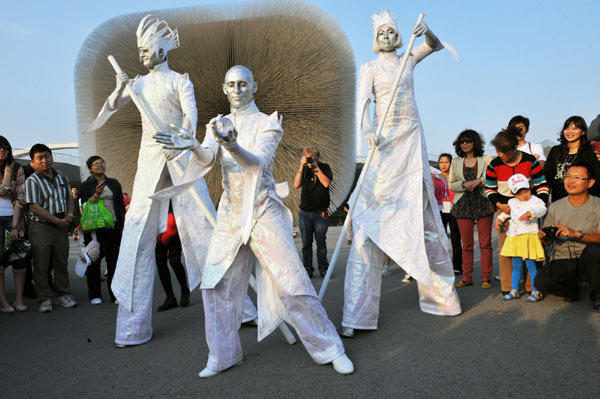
x: 96, y: 216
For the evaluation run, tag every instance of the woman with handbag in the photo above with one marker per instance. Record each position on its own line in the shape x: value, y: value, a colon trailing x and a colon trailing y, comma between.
x: 471, y: 206
x: 99, y: 187
x: 12, y: 224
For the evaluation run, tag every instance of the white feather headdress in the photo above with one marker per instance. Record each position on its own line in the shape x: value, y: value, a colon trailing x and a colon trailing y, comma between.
x: 155, y: 34
x: 383, y: 18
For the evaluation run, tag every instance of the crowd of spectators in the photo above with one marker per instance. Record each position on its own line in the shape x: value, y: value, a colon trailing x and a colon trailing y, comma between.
x: 40, y: 211
x: 534, y: 198
x: 521, y: 184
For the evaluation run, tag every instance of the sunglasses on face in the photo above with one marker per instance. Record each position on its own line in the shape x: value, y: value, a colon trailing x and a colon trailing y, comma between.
x: 465, y: 141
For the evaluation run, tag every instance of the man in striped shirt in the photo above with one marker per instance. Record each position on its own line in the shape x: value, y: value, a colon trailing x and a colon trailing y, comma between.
x: 47, y: 193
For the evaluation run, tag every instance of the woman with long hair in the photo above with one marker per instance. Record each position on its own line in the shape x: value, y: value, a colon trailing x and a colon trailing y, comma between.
x: 510, y: 161
x: 471, y: 206
x: 574, y: 147
x: 12, y: 224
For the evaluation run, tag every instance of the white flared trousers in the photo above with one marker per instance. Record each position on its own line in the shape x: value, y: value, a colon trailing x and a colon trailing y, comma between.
x: 223, y: 312
x: 135, y: 327
x: 362, y: 285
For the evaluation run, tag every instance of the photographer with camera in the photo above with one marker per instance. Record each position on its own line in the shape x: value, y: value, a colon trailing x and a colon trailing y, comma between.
x: 314, y: 177
x: 572, y: 225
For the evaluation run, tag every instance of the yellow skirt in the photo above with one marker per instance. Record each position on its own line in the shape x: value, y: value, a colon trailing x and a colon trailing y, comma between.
x: 525, y: 246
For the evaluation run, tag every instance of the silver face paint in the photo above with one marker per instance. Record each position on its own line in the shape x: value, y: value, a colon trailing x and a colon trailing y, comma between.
x: 239, y: 87
x: 387, y: 37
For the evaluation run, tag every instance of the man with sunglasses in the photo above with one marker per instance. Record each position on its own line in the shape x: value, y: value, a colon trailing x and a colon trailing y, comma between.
x: 573, y: 226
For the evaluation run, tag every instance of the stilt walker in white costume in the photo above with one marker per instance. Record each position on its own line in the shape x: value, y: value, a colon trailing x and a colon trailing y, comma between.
x: 396, y: 212
x: 252, y: 223
x: 167, y: 97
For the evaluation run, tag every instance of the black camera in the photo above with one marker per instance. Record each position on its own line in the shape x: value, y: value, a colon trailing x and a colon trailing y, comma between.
x: 310, y: 160
x: 550, y: 231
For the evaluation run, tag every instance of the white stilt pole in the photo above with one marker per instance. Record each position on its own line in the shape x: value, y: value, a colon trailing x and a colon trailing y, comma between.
x: 363, y: 174
x: 285, y: 330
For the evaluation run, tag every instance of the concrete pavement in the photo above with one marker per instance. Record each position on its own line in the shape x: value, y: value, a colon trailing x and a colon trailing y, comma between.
x: 495, y: 349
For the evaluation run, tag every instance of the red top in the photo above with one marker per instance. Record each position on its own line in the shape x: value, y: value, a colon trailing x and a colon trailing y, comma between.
x: 442, y: 192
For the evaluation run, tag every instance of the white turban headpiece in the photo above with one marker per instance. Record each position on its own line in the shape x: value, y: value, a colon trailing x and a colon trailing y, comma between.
x: 155, y: 34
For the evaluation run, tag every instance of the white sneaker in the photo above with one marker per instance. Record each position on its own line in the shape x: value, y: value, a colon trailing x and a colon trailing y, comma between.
x: 343, y: 365
x: 207, y: 373
x: 348, y: 332
x: 96, y: 301
x: 45, y: 306
x: 66, y: 301
x: 407, y: 278
x: 386, y: 271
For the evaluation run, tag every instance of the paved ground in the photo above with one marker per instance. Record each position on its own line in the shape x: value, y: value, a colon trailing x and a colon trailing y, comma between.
x: 495, y: 349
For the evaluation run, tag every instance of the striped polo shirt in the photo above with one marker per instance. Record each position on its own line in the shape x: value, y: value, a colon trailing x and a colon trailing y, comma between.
x: 50, y: 193
x: 498, y: 173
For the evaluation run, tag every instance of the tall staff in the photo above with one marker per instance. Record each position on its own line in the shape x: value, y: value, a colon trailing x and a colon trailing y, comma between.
x: 361, y: 179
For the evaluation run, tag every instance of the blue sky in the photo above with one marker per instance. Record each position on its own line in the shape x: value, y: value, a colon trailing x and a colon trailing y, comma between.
x: 536, y: 58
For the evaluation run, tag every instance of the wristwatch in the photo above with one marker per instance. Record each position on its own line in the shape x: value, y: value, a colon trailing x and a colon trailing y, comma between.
x: 581, y: 235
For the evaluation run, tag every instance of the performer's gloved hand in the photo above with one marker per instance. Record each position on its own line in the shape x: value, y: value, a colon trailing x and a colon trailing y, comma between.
x: 420, y: 29
x: 226, y: 135
x: 181, y: 139
x: 223, y: 130
x: 372, y: 140
x: 122, y: 80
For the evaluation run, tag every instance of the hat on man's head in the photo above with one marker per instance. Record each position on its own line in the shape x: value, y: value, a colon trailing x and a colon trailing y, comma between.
x: 517, y: 182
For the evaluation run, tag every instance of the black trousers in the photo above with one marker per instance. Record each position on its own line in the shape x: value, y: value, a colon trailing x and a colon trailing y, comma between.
x: 110, y: 241
x: 448, y: 219
x: 170, y: 253
x: 561, y: 277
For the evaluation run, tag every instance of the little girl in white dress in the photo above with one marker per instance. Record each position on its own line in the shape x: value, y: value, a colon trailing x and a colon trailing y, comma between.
x: 522, y: 241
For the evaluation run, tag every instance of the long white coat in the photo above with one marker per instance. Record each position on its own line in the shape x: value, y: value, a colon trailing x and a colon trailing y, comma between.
x: 169, y: 97
x: 395, y: 208
x: 246, y: 197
